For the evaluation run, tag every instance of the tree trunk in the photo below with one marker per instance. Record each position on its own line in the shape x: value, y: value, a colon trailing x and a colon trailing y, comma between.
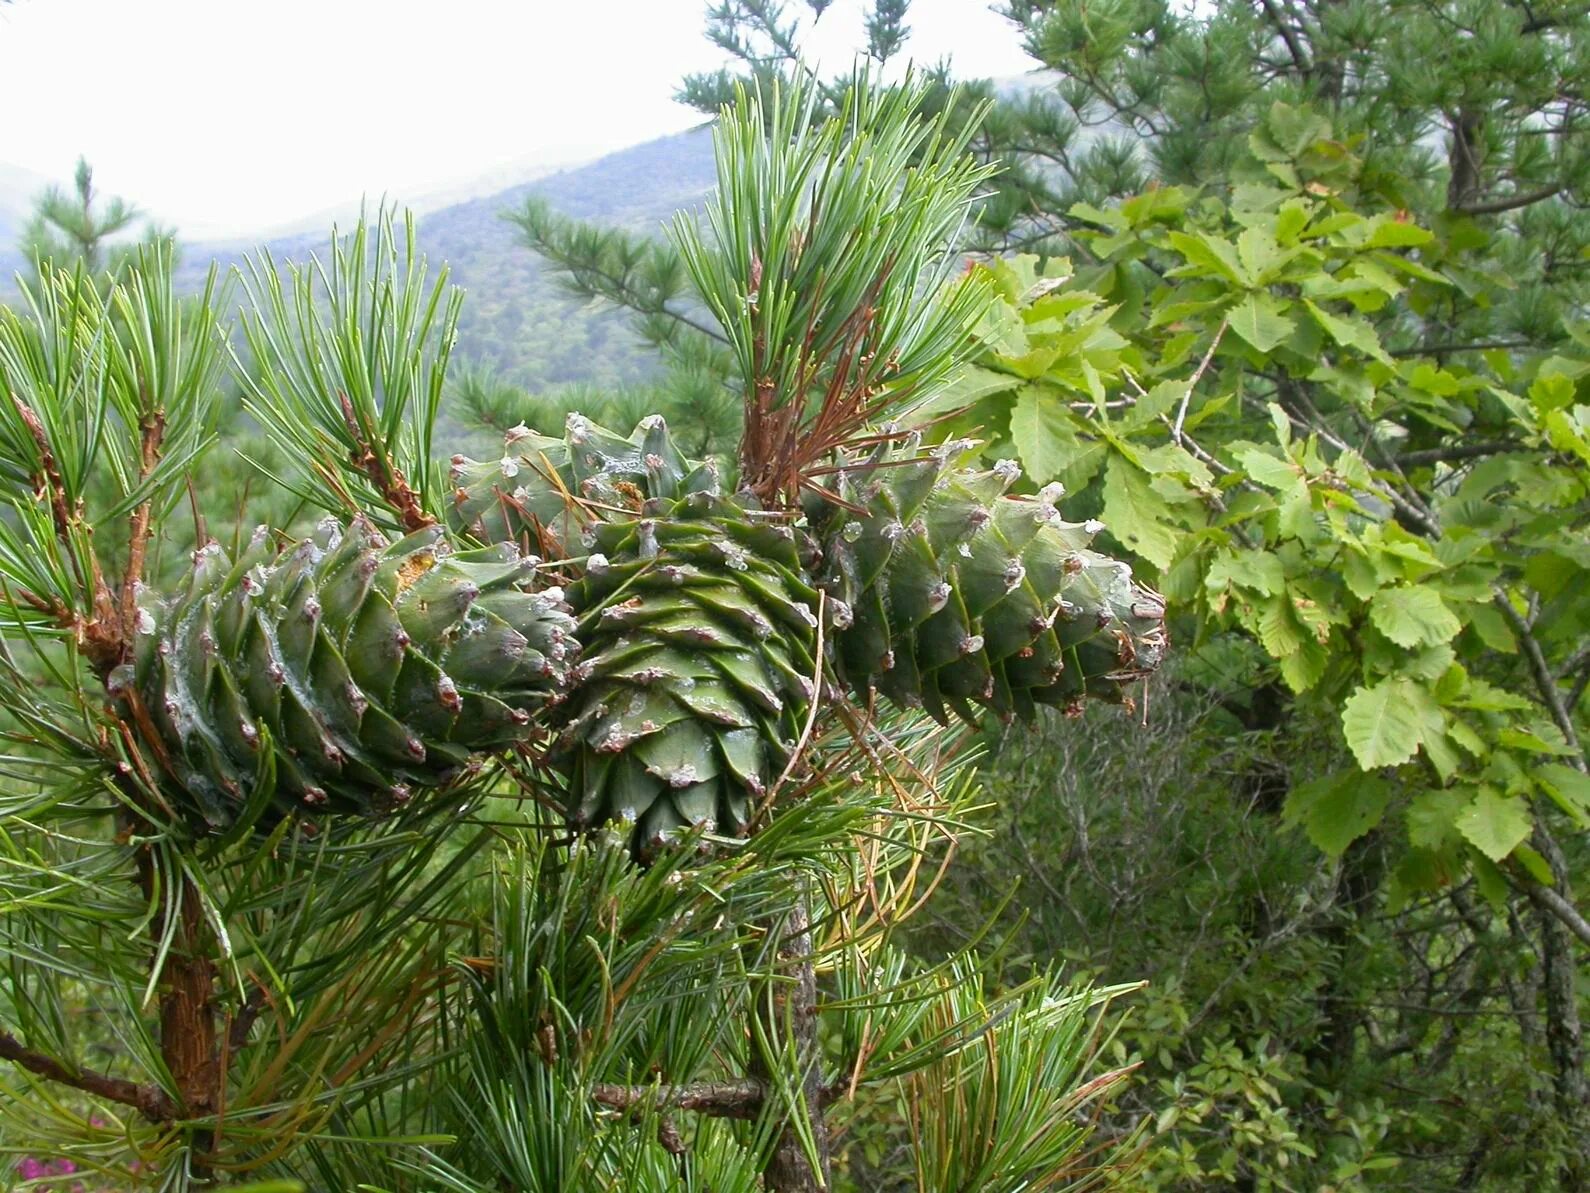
x: 189, y: 1042
x: 1564, y: 1039
x: 786, y: 1011
x: 1464, y: 158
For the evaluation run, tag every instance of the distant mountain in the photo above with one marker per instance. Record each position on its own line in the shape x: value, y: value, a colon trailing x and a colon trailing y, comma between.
x: 516, y: 318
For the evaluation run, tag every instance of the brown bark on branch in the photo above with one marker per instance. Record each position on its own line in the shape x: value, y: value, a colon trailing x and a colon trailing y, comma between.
x: 154, y: 433
x: 388, y: 481
x: 97, y: 636
x: 722, y: 1099
x: 148, y: 1100
x: 1504, y: 203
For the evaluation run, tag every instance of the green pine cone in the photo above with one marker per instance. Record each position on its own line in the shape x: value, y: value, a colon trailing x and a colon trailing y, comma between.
x: 695, y: 616
x: 697, y: 611
x: 958, y: 594
x: 546, y: 494
x: 367, y: 668
x: 697, y: 675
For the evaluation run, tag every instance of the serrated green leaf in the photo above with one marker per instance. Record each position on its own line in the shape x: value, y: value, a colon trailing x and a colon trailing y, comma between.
x: 1259, y: 320
x: 1258, y: 571
x: 1432, y: 817
x: 1494, y: 823
x: 1568, y: 788
x: 1302, y: 669
x: 1042, y: 430
x: 1486, y: 697
x: 1350, y: 332
x: 1544, y: 742
x: 1538, y: 868
x: 1269, y: 470
x: 1137, y: 515
x: 1385, y: 723
x: 1493, y: 629
x: 1490, y: 880
x: 1337, y: 810
x: 968, y: 387
x: 1391, y: 233
x: 1413, y: 616
x: 1360, y: 575
x: 1279, y: 632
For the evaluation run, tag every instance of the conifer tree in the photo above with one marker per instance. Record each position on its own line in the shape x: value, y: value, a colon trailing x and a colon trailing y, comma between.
x: 68, y: 229
x: 543, y: 822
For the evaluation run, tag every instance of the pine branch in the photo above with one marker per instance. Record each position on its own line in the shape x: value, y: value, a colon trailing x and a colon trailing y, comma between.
x: 99, y: 635
x: 386, y: 477
x: 829, y: 258
x: 1503, y: 203
x: 1457, y: 451
x: 150, y: 1101
x: 153, y: 434
x: 723, y: 1099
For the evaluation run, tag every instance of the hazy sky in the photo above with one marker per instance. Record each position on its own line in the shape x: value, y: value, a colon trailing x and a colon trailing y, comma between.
x: 226, y: 117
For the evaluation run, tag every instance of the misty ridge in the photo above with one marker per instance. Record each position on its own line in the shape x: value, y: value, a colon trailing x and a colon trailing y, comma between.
x: 517, y: 320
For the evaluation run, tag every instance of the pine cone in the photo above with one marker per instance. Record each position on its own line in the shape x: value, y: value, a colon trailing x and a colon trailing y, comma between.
x: 959, y: 594
x: 368, y: 669
x: 697, y: 610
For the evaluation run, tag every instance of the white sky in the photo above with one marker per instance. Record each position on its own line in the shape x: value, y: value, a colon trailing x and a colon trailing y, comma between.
x: 229, y: 118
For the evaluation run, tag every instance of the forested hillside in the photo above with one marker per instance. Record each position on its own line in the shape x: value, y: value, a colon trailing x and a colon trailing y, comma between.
x: 517, y: 318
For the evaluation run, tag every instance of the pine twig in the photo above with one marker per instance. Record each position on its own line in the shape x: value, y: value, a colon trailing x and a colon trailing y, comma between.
x: 723, y: 1099
x: 388, y: 481
x: 154, y: 430
x: 149, y: 1100
x: 97, y: 635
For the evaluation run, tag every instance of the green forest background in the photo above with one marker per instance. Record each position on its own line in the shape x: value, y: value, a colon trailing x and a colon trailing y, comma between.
x: 1294, y: 299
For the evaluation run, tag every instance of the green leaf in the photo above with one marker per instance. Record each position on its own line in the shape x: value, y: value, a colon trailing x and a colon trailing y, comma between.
x: 966, y: 388
x: 1271, y: 471
x: 1537, y: 867
x: 1260, y: 571
x: 1413, y: 616
x: 1335, y: 811
x: 1207, y: 254
x: 1546, y: 741
x: 1485, y: 697
x: 1432, y: 817
x: 1490, y: 880
x: 1492, y: 629
x: 1568, y: 788
x: 1350, y: 332
x: 1041, y: 428
x: 1390, y: 233
x: 1258, y: 320
x: 1137, y: 515
x: 1494, y: 823
x: 1278, y: 629
x: 1303, y: 668
x: 1385, y: 723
